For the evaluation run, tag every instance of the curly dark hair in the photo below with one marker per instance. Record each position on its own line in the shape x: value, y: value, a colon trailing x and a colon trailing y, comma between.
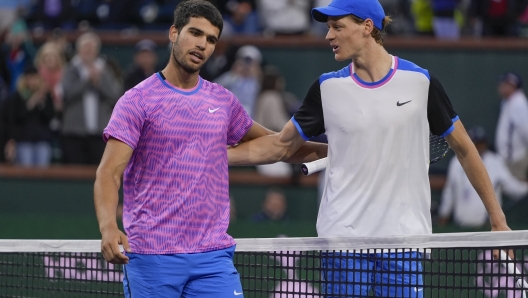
x: 197, y: 9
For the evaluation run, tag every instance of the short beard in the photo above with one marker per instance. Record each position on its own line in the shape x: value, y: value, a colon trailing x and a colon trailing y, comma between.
x: 180, y: 63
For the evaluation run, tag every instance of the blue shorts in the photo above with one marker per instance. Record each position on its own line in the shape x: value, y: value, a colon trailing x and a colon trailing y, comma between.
x: 382, y: 274
x: 208, y: 274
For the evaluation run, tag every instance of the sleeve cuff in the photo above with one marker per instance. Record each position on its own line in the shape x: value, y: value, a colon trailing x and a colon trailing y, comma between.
x: 299, y: 129
x: 450, y: 129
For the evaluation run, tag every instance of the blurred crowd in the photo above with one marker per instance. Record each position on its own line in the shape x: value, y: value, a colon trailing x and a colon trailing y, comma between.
x: 56, y: 99
x: 441, y: 18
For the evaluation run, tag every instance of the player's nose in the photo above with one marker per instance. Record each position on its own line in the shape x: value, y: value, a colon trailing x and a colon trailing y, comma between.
x: 201, y: 43
x: 329, y: 35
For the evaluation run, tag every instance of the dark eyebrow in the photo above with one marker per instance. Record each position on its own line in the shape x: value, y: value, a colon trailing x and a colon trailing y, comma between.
x: 202, y: 32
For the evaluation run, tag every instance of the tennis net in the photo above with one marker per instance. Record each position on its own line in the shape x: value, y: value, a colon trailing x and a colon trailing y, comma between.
x: 440, y: 265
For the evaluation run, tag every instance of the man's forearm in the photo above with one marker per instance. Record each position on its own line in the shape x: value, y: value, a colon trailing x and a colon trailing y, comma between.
x: 479, y: 178
x: 308, y: 152
x: 260, y: 146
x: 106, y: 199
x: 259, y: 151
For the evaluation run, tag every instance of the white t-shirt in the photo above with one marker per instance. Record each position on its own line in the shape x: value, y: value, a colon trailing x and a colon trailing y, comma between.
x: 376, y: 180
x: 511, y: 138
x: 460, y: 198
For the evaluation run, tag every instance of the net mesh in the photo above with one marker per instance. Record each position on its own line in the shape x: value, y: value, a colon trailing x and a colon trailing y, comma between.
x: 444, y: 265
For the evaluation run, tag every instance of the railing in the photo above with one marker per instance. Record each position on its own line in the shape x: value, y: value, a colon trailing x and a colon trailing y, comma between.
x: 129, y: 38
x: 236, y: 176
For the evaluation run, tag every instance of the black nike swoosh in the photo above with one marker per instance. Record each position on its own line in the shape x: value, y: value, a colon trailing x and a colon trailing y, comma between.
x: 401, y: 104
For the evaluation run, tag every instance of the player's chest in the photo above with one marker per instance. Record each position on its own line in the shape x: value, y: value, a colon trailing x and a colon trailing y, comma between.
x: 190, y: 117
x: 353, y: 108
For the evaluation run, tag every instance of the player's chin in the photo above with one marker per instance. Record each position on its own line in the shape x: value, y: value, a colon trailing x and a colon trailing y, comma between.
x: 340, y: 58
x: 194, y: 67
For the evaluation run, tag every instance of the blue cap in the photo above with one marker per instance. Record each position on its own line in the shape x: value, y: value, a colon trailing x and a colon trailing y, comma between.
x: 477, y: 134
x: 363, y: 9
x: 511, y: 78
x: 145, y: 45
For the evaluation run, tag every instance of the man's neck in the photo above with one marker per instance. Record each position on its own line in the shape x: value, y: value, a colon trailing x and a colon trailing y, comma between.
x: 179, y: 77
x: 373, y: 63
x: 510, y: 95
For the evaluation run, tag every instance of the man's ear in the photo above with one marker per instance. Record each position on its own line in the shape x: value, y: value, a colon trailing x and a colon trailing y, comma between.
x: 369, y: 26
x: 173, y: 33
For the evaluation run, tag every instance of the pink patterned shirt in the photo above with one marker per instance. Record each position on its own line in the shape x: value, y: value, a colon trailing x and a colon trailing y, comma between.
x: 176, y: 195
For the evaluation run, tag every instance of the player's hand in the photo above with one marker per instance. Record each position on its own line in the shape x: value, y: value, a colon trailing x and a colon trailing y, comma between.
x: 496, y: 253
x: 110, y: 246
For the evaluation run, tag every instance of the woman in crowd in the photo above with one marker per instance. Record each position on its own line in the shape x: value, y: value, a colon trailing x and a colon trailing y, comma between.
x: 30, y: 112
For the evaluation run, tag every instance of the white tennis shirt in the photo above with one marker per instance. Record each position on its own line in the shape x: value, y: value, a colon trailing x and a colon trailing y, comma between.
x: 378, y: 148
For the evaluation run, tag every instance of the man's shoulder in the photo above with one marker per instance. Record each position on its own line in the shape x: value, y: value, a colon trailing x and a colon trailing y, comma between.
x: 407, y: 65
x: 215, y: 89
x: 147, y: 84
x: 341, y: 73
x: 519, y: 100
x: 143, y: 89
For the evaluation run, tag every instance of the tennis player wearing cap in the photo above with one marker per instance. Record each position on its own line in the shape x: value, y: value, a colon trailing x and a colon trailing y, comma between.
x: 377, y: 113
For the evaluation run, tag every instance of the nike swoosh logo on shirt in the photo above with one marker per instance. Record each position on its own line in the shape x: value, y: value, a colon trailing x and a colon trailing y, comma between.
x: 213, y: 110
x: 401, y: 104
x: 237, y: 293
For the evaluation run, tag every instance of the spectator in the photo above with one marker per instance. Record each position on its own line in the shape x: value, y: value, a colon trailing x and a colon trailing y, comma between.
x: 9, y: 12
x: 50, y: 14
x: 523, y: 22
x: 460, y: 199
x: 318, y: 28
x: 50, y: 64
x: 4, y: 114
x: 272, y: 112
x: 444, y: 23
x: 284, y: 17
x: 145, y: 61
x: 30, y: 113
x: 5, y: 74
x: 240, y: 19
x: 496, y: 17
x: 273, y: 208
x: 511, y: 138
x: 5, y: 82
x: 90, y: 93
x: 400, y: 12
x: 244, y: 77
x: 423, y: 15
x: 20, y: 51
x: 59, y: 39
